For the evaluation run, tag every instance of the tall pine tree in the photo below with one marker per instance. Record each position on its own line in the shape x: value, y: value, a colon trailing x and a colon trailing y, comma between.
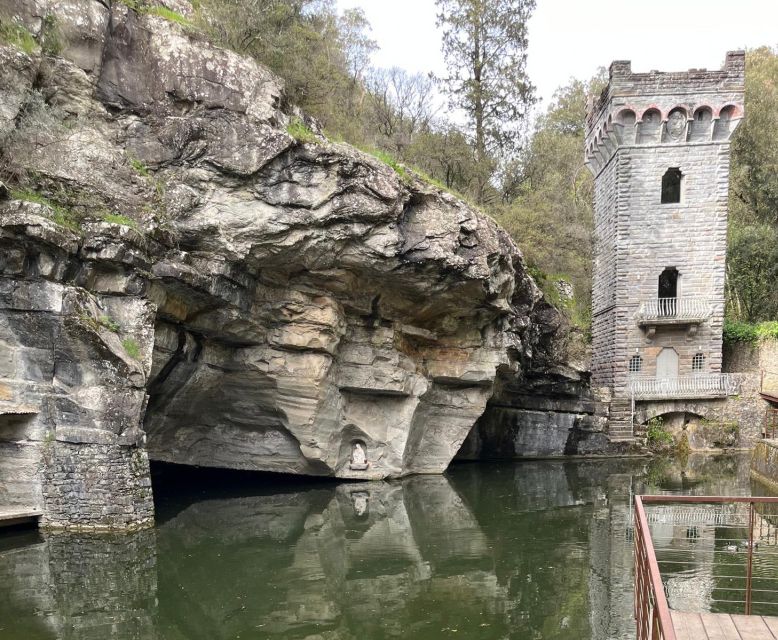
x: 485, y: 49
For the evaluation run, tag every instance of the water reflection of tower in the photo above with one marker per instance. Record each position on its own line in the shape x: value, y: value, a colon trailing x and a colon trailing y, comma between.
x: 684, y: 540
x: 611, y: 575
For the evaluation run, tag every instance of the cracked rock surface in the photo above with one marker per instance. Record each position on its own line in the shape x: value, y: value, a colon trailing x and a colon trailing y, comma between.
x: 228, y: 296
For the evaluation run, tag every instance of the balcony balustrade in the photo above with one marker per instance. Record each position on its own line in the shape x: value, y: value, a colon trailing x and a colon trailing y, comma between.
x: 702, y: 385
x: 673, y: 311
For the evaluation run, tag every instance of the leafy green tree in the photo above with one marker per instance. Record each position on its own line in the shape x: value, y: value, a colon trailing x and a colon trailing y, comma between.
x: 752, y: 270
x: 754, y: 183
x: 752, y: 260
x: 485, y: 49
x: 548, y: 198
x: 445, y: 154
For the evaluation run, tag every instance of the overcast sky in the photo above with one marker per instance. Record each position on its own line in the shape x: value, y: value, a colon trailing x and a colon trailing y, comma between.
x: 572, y: 38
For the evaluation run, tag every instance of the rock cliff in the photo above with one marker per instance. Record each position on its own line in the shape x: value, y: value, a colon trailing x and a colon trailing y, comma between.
x: 182, y: 279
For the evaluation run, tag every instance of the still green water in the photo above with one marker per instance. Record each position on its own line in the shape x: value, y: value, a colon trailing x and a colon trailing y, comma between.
x: 525, y: 550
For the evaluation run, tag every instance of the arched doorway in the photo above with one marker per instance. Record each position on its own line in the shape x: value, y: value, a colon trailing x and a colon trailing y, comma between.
x: 668, y: 291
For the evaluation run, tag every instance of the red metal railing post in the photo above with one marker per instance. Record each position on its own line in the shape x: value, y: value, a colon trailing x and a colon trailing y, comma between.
x: 749, y: 570
x: 651, y: 602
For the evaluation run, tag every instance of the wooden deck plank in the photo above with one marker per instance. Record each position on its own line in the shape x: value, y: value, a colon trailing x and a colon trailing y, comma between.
x: 719, y: 627
x: 772, y: 624
x: 752, y: 627
x: 722, y: 626
x: 688, y: 626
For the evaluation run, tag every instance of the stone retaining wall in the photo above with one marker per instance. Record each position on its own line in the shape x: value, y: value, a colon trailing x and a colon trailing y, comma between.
x: 764, y: 463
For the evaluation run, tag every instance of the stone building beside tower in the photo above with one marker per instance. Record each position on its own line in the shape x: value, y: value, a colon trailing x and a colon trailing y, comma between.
x: 658, y: 145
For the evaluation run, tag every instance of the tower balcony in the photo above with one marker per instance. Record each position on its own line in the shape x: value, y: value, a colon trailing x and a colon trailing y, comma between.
x: 674, y: 311
x: 689, y: 312
x: 701, y: 385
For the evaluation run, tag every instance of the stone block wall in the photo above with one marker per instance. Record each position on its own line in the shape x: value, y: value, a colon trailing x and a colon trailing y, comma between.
x: 73, y: 367
x: 644, y: 125
x: 605, y: 273
x: 96, y: 487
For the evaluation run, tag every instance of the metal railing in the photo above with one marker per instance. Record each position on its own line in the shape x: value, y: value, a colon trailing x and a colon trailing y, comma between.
x: 715, y: 543
x: 674, y: 310
x: 652, y: 613
x: 701, y: 385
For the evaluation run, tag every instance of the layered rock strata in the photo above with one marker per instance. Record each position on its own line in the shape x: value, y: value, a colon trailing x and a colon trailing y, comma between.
x: 183, y: 280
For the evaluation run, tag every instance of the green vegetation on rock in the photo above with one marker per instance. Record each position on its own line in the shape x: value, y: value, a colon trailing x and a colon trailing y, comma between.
x: 59, y: 214
x: 301, y: 132
x: 144, y: 7
x: 51, y: 38
x: 17, y: 36
x: 657, y: 436
x: 131, y: 347
x: 109, y: 323
x: 172, y: 16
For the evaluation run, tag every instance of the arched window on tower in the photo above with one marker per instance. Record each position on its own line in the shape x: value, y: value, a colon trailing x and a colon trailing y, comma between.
x: 671, y: 185
x: 698, y: 362
x: 700, y: 126
x: 725, y: 125
x: 635, y: 364
x: 650, y: 127
x: 625, y: 126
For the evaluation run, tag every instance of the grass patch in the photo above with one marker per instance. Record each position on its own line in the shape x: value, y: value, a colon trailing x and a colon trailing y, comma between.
x: 131, y: 347
x: 59, y: 214
x: 750, y: 333
x: 140, y: 6
x: 117, y: 218
x: 138, y: 165
x: 301, y: 132
x: 109, y: 323
x: 390, y: 160
x: 171, y: 16
x: 17, y: 36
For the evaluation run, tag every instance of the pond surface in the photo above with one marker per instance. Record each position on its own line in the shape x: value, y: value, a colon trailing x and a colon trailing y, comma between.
x: 524, y: 550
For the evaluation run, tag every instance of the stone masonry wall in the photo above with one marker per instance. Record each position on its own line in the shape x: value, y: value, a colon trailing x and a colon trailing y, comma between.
x: 96, y: 487
x: 690, y: 236
x: 644, y: 125
x: 605, y: 273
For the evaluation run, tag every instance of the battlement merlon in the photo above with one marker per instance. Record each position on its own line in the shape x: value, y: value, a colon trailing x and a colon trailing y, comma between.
x: 638, y: 106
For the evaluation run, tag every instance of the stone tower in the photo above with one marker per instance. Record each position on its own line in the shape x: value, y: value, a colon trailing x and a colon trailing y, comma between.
x: 658, y: 145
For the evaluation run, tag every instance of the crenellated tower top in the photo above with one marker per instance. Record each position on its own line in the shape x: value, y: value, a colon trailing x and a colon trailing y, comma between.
x: 689, y: 107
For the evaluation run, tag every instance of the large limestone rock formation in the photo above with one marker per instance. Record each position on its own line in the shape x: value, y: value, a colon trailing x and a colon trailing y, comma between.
x: 181, y: 279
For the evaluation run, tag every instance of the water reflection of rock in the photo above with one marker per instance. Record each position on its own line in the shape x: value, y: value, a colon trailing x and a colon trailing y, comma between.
x: 537, y: 549
x: 492, y: 552
x: 362, y: 564
x: 80, y: 587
